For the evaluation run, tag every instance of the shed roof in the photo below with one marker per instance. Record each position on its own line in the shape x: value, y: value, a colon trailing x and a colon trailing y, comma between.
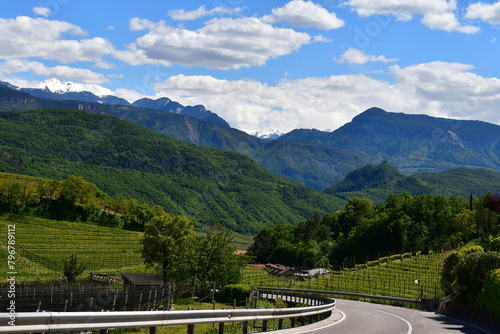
x: 145, y: 279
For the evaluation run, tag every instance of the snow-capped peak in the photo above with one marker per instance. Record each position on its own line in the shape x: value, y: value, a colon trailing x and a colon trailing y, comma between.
x: 56, y: 86
x: 267, y: 134
x: 62, y: 87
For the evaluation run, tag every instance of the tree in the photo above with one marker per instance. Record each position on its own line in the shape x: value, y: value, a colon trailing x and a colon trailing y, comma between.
x: 72, y: 268
x: 216, y: 259
x: 262, y: 245
x: 76, y: 191
x: 168, y: 245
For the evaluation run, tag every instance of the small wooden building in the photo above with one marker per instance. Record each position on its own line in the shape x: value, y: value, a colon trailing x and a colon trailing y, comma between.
x: 142, y: 281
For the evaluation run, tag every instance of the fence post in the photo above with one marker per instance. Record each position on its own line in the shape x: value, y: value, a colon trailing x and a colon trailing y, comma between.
x: 264, y: 325
x: 245, y: 327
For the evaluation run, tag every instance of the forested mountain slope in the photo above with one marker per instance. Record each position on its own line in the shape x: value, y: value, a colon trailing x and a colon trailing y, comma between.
x: 412, y: 143
x: 377, y: 182
x: 315, y: 166
x: 213, y: 185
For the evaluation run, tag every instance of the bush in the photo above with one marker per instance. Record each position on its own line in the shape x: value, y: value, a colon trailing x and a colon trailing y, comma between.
x: 231, y: 292
x: 450, y: 263
x: 471, y: 272
x: 489, y: 298
x: 72, y: 268
x: 495, y: 245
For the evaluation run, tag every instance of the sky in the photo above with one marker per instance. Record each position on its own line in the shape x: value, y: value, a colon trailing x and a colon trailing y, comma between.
x: 266, y: 65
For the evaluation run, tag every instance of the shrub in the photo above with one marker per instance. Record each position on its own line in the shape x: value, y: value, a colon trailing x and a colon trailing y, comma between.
x: 72, y: 268
x: 489, y: 298
x: 450, y: 263
x: 495, y: 245
x: 472, y: 269
x: 231, y: 292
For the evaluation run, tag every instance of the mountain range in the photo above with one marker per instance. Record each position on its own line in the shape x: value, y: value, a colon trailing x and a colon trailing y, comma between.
x: 315, y: 166
x: 120, y: 157
x: 206, y: 169
x: 317, y: 159
x: 412, y: 143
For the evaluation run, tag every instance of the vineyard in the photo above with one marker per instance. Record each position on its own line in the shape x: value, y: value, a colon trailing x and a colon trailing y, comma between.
x: 403, y: 275
x: 42, y: 247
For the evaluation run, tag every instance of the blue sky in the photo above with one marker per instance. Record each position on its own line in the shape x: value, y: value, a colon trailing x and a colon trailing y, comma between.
x: 266, y: 65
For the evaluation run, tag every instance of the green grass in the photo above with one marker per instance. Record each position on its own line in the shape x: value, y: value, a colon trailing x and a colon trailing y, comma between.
x: 394, y: 278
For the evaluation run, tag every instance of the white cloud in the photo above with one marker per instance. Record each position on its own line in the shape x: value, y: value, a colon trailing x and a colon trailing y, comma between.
x: 25, y: 37
x: 303, y: 103
x: 487, y: 12
x: 221, y: 44
x: 301, y: 13
x: 450, y: 90
x: 61, y: 72
x: 355, y: 56
x: 104, y: 65
x: 402, y: 9
x: 42, y: 11
x: 436, y: 14
x: 129, y: 94
x: 447, y: 21
x: 183, y: 15
x: 438, y: 88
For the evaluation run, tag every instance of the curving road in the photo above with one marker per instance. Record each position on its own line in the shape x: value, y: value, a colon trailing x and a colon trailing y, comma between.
x: 359, y: 317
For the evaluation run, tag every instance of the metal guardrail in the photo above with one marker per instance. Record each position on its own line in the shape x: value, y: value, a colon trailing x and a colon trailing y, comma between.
x: 345, y: 294
x: 27, y: 322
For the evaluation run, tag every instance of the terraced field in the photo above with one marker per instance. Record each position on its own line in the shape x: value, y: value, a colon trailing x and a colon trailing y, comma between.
x: 43, y: 245
x: 395, y: 277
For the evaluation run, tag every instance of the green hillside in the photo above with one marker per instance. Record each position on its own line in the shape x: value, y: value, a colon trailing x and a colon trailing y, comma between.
x: 43, y: 245
x: 377, y: 182
x: 212, y: 185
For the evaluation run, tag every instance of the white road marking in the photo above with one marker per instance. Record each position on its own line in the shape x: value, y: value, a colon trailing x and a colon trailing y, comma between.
x: 344, y: 316
x: 410, y: 328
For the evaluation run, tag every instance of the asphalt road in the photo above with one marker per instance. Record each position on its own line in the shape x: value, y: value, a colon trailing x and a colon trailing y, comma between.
x: 353, y: 317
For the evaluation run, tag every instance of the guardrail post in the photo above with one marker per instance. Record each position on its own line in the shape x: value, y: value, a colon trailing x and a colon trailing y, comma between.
x: 221, y: 328
x: 292, y: 322
x: 280, y: 323
x: 264, y: 325
x: 190, y: 329
x: 245, y: 327
x: 152, y: 330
